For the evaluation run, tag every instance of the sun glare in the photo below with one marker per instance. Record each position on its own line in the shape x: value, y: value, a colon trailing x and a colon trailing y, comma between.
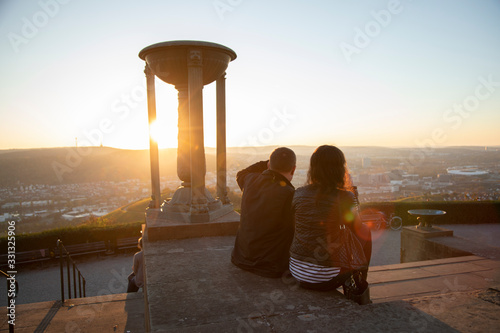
x: 164, y: 134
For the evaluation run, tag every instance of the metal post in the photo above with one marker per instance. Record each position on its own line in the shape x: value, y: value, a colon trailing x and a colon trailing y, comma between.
x: 79, y: 283
x: 61, y: 262
x: 69, y: 277
x: 74, y: 279
x: 153, y: 145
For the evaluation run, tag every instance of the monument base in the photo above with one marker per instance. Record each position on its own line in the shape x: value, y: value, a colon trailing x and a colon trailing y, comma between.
x: 180, y: 208
x: 162, y: 226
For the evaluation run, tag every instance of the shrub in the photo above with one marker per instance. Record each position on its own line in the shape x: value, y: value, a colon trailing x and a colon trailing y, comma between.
x: 73, y: 235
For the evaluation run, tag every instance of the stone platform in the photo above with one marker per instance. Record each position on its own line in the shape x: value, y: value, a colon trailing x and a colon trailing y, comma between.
x: 193, y: 287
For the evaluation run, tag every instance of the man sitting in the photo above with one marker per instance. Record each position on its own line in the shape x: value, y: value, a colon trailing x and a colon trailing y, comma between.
x: 266, y: 229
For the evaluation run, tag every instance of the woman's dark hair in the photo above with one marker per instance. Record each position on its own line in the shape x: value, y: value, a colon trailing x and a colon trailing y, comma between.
x: 328, y: 169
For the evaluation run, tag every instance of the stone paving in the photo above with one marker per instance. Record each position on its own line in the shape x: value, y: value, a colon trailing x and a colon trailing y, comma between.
x: 106, y: 274
x: 207, y: 294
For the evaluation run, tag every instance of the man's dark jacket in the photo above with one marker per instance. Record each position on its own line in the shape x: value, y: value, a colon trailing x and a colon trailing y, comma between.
x: 266, y: 230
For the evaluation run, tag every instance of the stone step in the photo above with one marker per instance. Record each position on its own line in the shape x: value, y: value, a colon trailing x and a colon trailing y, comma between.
x: 107, y: 313
x: 432, y: 277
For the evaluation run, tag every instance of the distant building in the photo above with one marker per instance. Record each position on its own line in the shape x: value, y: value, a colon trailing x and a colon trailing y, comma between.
x: 469, y: 170
x: 396, y: 174
x: 444, y: 178
x: 10, y: 205
x: 380, y: 178
x: 411, y: 179
x: 366, y: 162
x: 364, y: 178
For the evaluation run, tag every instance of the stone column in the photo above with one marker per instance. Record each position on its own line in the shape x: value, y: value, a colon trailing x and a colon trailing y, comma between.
x: 153, y: 145
x: 183, y: 152
x: 197, y: 146
x: 221, y: 139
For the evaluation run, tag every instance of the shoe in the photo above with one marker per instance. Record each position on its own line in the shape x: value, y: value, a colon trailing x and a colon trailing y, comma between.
x: 363, y: 298
x: 358, y: 293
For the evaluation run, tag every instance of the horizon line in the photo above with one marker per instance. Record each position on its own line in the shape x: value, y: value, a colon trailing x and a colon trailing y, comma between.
x: 266, y: 146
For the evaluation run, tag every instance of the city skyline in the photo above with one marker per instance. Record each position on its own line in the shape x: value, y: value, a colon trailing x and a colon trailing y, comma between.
x: 371, y: 73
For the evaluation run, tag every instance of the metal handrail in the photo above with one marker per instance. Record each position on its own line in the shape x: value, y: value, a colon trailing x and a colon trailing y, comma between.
x: 69, y: 260
x: 10, y: 296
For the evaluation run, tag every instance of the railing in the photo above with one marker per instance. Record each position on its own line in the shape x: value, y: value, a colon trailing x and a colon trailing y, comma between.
x: 11, y: 294
x: 69, y: 261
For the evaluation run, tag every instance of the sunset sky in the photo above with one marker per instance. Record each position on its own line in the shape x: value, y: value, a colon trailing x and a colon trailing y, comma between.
x: 350, y: 73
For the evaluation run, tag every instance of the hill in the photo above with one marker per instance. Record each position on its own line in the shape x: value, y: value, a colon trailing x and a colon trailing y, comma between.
x: 72, y: 165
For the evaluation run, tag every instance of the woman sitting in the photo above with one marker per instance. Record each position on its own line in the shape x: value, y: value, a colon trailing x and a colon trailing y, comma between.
x: 321, y: 209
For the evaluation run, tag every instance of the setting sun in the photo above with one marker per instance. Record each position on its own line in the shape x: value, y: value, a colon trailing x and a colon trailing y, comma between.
x: 164, y: 133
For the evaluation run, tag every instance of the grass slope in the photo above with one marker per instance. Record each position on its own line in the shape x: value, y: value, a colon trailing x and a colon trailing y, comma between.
x: 130, y: 213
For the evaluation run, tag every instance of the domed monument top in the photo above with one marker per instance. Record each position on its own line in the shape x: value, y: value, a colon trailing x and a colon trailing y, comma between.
x: 169, y: 60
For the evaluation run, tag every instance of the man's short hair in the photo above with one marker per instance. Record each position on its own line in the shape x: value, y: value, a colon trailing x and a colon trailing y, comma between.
x: 282, y: 160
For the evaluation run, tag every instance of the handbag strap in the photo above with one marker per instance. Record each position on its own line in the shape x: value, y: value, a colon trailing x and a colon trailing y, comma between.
x: 343, y: 226
x: 342, y: 223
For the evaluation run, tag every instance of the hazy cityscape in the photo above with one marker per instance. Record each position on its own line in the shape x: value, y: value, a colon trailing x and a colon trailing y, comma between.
x: 381, y: 174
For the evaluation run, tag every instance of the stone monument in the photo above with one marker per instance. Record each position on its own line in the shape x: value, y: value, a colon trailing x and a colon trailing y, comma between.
x: 189, y: 65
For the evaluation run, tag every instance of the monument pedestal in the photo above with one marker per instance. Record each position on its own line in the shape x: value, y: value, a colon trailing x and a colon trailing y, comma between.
x: 160, y: 226
x: 179, y: 208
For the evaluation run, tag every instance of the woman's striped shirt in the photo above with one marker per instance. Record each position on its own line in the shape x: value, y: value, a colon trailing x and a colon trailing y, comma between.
x: 312, y: 273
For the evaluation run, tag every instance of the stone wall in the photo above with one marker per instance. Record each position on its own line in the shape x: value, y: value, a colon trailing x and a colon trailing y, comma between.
x: 437, y: 243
